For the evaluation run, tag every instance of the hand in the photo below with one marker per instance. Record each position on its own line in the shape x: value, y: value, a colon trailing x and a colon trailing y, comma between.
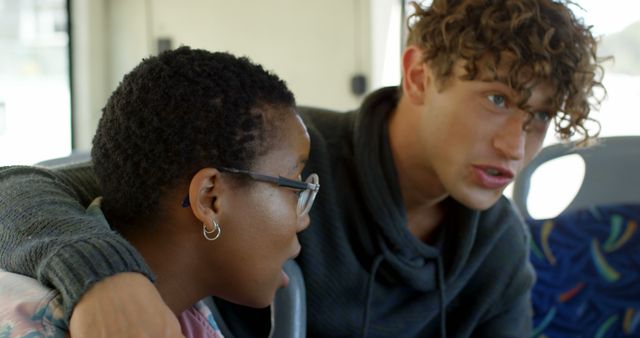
x: 125, y: 305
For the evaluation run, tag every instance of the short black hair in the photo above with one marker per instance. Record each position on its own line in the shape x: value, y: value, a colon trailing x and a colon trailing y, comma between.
x: 177, y: 113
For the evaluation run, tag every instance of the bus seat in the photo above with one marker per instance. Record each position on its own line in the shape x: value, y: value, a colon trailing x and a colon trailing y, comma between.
x: 611, y: 173
x: 587, y: 258
x: 76, y: 156
x: 288, y: 311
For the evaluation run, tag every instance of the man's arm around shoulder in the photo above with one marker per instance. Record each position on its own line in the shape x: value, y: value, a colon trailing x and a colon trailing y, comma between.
x: 46, y: 233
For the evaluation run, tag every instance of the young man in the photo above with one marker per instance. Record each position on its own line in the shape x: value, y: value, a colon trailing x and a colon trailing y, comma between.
x: 410, y: 236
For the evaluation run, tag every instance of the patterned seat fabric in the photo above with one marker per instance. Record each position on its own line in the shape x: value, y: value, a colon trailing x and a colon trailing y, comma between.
x: 588, y: 267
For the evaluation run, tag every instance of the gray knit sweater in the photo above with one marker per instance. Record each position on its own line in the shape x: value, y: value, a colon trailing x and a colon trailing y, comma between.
x: 46, y: 233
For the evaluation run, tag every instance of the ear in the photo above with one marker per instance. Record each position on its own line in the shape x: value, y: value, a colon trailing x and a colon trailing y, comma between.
x: 204, y: 191
x: 416, y: 75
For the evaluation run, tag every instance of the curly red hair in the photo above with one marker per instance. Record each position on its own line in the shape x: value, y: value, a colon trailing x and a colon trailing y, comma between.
x: 543, y: 40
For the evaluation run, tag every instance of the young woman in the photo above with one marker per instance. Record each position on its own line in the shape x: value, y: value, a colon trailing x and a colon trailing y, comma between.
x: 199, y: 159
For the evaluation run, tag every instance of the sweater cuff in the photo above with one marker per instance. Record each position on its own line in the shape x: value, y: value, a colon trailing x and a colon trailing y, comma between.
x: 75, y: 267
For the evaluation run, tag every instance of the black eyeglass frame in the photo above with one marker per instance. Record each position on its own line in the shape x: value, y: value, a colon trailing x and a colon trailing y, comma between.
x: 279, y: 181
x: 305, y: 202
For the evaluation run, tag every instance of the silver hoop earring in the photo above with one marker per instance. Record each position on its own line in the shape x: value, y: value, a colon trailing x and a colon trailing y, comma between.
x: 208, y: 234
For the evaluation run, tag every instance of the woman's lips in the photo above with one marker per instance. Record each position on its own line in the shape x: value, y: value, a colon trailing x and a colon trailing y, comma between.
x: 284, y: 278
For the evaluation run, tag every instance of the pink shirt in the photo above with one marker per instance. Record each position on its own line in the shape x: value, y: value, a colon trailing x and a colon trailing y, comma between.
x: 197, y: 321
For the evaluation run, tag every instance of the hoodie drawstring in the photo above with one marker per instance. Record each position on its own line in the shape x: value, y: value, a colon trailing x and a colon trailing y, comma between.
x: 441, y: 300
x: 370, y: 284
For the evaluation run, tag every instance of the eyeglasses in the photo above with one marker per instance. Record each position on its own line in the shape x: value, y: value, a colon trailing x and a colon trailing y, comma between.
x: 308, y: 188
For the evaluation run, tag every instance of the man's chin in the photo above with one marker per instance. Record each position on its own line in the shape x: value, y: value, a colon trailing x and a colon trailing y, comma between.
x: 478, y: 201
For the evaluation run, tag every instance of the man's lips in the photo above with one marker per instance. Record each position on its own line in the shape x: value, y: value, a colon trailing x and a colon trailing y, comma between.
x: 493, y: 177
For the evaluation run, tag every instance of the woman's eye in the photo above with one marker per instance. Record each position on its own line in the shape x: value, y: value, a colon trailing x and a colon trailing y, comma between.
x: 498, y: 100
x: 542, y: 116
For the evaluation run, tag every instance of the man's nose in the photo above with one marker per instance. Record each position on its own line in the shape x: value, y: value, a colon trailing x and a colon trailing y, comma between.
x: 511, y: 137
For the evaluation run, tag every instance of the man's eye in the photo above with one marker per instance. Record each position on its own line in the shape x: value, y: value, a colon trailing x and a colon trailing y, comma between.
x: 498, y: 100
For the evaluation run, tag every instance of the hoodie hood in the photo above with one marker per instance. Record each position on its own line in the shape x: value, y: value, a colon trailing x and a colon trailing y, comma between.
x: 398, y: 257
x: 407, y: 260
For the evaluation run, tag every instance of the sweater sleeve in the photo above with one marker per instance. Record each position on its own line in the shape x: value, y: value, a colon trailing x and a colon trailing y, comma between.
x: 47, y: 233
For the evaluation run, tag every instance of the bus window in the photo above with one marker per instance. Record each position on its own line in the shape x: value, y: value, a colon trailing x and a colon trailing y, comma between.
x: 35, y: 102
x: 617, y: 114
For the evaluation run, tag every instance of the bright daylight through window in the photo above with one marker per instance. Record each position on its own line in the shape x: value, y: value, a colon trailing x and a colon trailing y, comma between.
x: 35, y: 103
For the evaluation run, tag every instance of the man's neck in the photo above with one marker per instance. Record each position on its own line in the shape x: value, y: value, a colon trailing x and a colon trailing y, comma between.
x: 423, y: 224
x: 421, y: 189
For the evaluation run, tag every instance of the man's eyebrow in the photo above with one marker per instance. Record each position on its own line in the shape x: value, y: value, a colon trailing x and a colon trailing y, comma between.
x: 497, y: 84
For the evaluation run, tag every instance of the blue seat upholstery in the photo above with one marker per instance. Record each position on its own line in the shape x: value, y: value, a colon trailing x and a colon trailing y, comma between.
x: 588, y: 267
x: 588, y: 258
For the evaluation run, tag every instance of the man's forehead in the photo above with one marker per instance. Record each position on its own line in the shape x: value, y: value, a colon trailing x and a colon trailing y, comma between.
x: 505, y: 69
x: 520, y: 88
x: 505, y: 64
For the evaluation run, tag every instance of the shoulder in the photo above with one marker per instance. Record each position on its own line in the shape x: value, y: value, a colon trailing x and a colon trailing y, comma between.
x: 73, y: 178
x: 28, y: 308
x: 328, y: 125
x: 56, y: 171
x: 505, y: 223
x: 331, y: 134
x: 503, y: 228
x: 505, y: 237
